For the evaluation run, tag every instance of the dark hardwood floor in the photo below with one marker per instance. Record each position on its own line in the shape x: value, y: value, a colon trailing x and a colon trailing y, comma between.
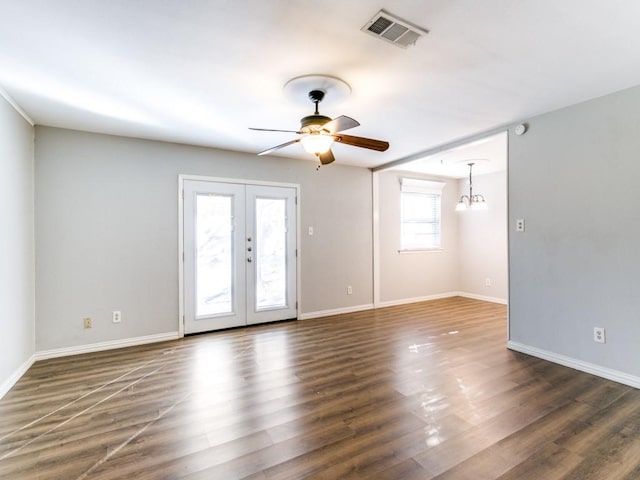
x: 422, y: 391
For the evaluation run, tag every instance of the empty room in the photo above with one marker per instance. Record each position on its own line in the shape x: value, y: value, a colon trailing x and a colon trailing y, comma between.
x: 338, y: 240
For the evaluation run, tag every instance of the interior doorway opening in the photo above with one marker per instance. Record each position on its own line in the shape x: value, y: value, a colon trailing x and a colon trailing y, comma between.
x: 473, y: 259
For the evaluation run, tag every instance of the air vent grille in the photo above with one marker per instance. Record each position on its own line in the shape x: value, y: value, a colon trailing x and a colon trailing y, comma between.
x: 380, y: 25
x: 393, y: 30
x: 409, y: 38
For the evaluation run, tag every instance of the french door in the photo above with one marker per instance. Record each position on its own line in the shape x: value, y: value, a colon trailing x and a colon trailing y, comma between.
x: 239, y: 254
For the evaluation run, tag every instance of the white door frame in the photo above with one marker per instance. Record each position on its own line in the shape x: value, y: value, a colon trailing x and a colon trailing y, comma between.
x: 181, y: 180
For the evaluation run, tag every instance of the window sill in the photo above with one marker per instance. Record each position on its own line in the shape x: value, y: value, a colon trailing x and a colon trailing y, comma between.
x: 420, y: 250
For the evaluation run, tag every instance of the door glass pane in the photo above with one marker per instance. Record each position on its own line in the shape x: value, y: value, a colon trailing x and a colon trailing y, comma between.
x: 271, y: 248
x: 214, y: 254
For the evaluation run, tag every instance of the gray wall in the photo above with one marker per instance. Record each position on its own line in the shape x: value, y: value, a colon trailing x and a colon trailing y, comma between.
x: 107, y: 232
x: 483, y: 239
x: 17, y: 344
x: 574, y: 177
x: 415, y: 275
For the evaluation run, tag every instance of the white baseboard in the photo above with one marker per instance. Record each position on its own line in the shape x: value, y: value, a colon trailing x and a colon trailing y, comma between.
x: 484, y: 298
x: 98, y: 347
x: 335, y: 311
x: 15, y: 376
x: 591, y: 368
x: 405, y: 301
x: 393, y: 303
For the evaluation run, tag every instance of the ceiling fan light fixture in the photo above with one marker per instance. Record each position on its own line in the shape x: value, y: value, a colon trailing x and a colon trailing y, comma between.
x: 317, y: 143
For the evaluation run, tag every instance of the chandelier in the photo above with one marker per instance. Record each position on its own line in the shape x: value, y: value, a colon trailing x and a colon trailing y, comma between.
x: 471, y: 201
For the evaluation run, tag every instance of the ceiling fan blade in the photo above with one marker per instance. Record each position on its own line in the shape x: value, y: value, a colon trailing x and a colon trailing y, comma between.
x: 339, y: 124
x: 278, y: 147
x: 370, y: 143
x: 273, y: 130
x: 326, y: 157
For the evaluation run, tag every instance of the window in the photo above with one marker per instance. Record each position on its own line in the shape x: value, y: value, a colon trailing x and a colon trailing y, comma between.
x: 420, y: 214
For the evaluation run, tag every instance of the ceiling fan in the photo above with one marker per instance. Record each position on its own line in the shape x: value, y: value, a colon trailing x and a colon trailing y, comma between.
x: 319, y: 132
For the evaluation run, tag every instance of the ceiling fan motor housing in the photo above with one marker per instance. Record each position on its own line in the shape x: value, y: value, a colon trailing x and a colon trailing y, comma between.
x: 313, y: 122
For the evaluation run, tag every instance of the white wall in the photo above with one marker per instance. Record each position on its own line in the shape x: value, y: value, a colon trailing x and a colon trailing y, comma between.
x: 574, y: 178
x: 17, y: 342
x: 407, y: 276
x: 482, y: 239
x: 107, y: 232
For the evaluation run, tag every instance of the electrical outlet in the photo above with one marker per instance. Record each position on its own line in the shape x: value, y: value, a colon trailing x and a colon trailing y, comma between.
x: 116, y: 316
x: 598, y: 335
x: 520, y: 225
x: 487, y: 282
x: 86, y: 321
x: 349, y: 290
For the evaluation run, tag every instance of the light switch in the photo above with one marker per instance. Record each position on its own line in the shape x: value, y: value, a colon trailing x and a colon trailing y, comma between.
x: 310, y: 230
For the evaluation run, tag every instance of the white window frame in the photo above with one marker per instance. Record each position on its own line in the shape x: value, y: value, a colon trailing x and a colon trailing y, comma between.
x: 423, y: 187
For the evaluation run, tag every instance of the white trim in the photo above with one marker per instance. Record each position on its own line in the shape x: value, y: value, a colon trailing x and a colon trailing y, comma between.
x: 98, y: 347
x: 421, y: 185
x: 15, y: 376
x: 413, y: 251
x: 615, y: 375
x: 335, y: 311
x: 239, y: 181
x: 181, y: 255
x: 298, y: 251
x: 401, y: 301
x: 18, y: 109
x: 484, y: 298
x: 438, y: 296
x: 426, y: 298
x: 375, y: 191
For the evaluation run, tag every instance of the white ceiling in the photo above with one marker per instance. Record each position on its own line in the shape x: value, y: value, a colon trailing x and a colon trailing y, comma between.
x: 488, y: 155
x: 201, y: 72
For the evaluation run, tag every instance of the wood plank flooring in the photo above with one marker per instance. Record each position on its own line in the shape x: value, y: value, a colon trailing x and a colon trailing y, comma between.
x: 424, y: 391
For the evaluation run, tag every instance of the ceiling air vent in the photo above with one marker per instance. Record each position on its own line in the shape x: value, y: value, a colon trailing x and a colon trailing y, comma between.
x: 393, y: 30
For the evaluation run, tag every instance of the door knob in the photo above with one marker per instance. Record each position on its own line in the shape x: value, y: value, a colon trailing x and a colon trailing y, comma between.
x: 249, y: 259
